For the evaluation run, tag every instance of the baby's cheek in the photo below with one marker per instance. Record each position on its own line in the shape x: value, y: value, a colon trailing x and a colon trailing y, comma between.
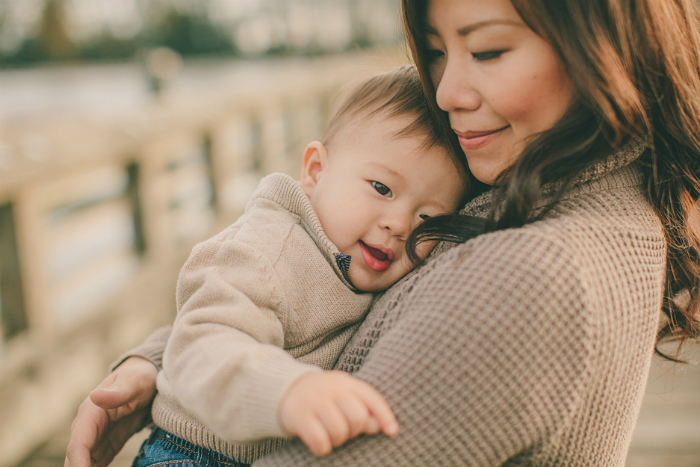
x: 423, y: 249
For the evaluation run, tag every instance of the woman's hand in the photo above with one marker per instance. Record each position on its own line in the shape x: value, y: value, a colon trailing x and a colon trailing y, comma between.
x: 327, y: 409
x: 111, y: 414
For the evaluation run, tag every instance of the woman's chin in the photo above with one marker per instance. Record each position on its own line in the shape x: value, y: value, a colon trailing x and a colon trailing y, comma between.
x: 488, y: 162
x: 485, y: 173
x: 487, y: 169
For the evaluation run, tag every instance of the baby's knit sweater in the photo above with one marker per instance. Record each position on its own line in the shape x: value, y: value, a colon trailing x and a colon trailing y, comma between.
x: 259, y: 304
x: 527, y: 346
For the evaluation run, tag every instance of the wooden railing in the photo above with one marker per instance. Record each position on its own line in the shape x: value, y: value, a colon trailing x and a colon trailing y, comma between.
x: 96, y: 217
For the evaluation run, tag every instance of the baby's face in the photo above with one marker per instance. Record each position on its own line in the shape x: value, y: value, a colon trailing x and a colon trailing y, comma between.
x: 371, y: 188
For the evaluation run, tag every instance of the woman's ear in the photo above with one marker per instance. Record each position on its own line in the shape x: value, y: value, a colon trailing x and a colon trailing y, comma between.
x: 315, y: 160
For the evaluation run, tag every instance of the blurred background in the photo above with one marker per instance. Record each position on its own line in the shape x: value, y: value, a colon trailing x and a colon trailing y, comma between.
x: 130, y: 130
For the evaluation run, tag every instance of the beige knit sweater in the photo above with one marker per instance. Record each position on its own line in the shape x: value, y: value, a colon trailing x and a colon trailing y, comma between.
x: 528, y: 346
x: 259, y: 304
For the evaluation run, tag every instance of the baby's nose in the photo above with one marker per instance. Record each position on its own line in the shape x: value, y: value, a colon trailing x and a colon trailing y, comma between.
x: 398, y: 225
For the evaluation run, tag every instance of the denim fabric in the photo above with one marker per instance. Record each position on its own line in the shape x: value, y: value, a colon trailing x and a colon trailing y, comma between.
x: 163, y: 449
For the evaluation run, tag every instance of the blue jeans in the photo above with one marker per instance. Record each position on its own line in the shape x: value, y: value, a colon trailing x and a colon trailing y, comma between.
x: 165, y: 449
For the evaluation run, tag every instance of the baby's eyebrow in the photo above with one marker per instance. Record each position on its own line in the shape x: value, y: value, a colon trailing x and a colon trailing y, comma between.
x: 435, y: 204
x: 388, y: 170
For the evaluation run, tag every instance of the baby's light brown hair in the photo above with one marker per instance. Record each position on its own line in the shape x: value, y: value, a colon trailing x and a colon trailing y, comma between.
x: 396, y: 93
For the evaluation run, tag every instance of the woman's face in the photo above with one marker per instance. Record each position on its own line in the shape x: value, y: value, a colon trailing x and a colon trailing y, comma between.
x: 499, y: 81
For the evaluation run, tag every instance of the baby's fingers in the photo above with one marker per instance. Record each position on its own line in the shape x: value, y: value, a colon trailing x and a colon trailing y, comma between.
x: 372, y: 427
x: 315, y: 437
x: 379, y: 409
x: 336, y: 423
x: 357, y: 416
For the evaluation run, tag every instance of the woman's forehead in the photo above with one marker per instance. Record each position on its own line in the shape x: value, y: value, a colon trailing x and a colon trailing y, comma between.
x: 467, y: 16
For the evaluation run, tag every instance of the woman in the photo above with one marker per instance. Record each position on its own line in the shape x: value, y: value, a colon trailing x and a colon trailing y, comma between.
x: 531, y: 343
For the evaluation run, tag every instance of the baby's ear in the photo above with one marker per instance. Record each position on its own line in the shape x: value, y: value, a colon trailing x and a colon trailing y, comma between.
x: 315, y: 159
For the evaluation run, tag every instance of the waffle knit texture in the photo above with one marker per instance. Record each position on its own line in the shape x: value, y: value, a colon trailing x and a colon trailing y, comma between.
x: 527, y: 346
x: 259, y: 305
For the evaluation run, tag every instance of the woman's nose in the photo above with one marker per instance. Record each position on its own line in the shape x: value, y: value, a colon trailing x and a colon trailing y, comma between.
x: 454, y: 90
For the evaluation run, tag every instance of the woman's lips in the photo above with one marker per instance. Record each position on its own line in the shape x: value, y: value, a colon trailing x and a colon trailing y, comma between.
x: 376, y: 257
x: 477, y: 139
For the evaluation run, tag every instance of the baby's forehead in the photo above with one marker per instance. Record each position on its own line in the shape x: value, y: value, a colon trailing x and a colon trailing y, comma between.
x: 392, y: 132
x: 398, y: 125
x: 389, y: 141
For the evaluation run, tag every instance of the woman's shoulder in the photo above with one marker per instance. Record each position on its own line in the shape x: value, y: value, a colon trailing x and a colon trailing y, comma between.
x: 593, y: 227
x: 617, y: 201
x: 601, y: 252
x: 610, y: 216
x: 599, y: 235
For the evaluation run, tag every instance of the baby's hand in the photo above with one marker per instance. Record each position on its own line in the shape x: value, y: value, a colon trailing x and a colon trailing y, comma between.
x: 328, y: 408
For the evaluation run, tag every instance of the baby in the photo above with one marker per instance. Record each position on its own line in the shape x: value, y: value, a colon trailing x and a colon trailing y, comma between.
x: 266, y: 306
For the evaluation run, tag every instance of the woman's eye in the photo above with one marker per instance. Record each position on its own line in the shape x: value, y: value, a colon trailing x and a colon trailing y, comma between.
x: 434, y: 54
x: 486, y: 56
x: 424, y: 216
x: 382, y: 189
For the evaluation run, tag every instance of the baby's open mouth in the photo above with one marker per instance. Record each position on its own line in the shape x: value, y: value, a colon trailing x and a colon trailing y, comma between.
x: 379, y: 254
x: 375, y: 258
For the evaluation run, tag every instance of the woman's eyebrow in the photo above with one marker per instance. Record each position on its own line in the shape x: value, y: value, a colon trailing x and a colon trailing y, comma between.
x: 428, y: 29
x: 466, y: 30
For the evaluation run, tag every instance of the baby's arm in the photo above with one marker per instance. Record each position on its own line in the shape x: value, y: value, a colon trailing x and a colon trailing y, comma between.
x: 327, y: 409
x: 224, y: 362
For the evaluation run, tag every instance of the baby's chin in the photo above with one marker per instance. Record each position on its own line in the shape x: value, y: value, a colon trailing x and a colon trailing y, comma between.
x: 378, y: 283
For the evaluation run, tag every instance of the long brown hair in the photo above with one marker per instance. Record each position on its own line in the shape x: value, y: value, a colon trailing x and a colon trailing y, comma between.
x: 635, y: 66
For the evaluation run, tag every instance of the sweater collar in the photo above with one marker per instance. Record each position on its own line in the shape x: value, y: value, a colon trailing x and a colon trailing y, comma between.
x: 615, y: 171
x: 287, y: 192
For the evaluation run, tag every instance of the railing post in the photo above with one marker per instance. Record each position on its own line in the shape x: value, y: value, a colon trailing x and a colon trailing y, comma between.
x: 14, y: 317
x: 133, y: 194
x: 211, y: 171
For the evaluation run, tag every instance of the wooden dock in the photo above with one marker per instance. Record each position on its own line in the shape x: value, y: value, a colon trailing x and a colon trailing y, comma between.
x: 668, y: 428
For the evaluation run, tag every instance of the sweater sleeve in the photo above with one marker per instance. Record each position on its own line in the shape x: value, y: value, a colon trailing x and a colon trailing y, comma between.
x: 152, y: 349
x: 486, y: 359
x: 224, y: 361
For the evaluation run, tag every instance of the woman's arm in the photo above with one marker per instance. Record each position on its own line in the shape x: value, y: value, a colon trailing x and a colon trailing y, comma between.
x: 487, y: 358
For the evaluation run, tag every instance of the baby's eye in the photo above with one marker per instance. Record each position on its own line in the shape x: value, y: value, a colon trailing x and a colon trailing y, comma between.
x: 424, y: 216
x: 382, y: 189
x: 485, y: 56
